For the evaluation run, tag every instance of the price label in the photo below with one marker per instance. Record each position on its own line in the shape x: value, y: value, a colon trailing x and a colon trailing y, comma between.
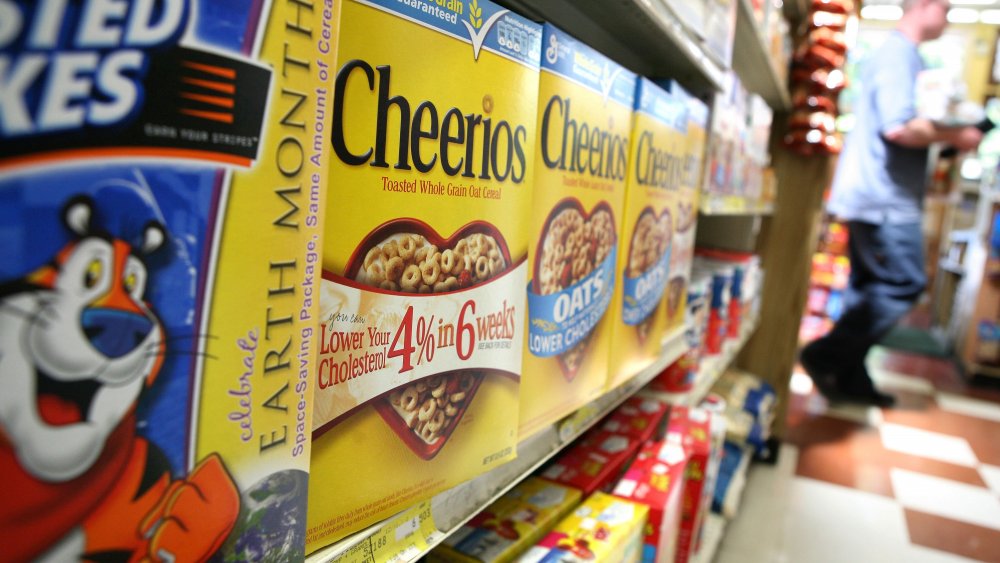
x: 403, y: 538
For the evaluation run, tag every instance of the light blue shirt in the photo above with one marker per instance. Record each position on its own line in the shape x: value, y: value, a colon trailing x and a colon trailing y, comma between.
x: 877, y: 181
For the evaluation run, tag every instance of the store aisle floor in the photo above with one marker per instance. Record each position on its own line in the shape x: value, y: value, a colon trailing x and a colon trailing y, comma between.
x: 917, y: 483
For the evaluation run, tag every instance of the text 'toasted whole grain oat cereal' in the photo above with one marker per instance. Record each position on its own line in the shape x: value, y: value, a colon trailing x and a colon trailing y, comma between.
x: 424, y: 264
x: 655, y: 176
x: 162, y: 184
x: 581, y: 162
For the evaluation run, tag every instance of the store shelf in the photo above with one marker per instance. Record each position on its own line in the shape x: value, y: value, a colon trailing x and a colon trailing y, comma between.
x: 712, y: 367
x: 642, y: 35
x: 752, y: 60
x: 712, y: 532
x: 952, y: 266
x: 733, y: 205
x: 410, y: 534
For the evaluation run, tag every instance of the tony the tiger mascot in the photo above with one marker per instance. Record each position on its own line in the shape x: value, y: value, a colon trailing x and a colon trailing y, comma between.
x: 78, y: 345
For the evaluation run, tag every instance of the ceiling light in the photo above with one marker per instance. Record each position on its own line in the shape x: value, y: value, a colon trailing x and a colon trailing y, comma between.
x: 990, y: 16
x: 963, y: 15
x: 881, y: 12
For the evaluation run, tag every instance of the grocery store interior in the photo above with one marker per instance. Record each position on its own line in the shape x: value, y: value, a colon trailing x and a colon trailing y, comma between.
x: 474, y: 281
x: 796, y: 477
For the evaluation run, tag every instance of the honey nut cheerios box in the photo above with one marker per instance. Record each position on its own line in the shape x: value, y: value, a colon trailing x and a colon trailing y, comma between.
x: 162, y: 188
x: 584, y: 122
x: 647, y: 229
x: 686, y: 215
x: 424, y: 265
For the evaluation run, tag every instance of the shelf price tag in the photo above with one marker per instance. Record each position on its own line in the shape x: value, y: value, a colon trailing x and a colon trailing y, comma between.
x: 403, y: 538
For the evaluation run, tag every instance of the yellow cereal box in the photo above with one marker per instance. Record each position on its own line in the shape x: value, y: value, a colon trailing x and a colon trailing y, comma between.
x: 511, y: 525
x: 425, y: 256
x: 686, y: 210
x: 647, y: 230
x: 604, y: 529
x: 161, y: 189
x: 584, y: 122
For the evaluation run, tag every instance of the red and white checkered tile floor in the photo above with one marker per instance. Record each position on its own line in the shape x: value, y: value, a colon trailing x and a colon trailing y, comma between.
x: 919, y: 482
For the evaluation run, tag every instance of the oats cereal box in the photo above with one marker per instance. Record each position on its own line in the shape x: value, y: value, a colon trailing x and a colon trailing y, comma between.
x: 584, y: 122
x: 604, y: 529
x: 647, y: 230
x: 686, y: 209
x: 422, y: 304
x: 509, y: 526
x: 162, y: 170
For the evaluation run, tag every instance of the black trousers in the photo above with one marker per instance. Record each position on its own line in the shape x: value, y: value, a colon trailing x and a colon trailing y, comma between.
x: 887, y: 278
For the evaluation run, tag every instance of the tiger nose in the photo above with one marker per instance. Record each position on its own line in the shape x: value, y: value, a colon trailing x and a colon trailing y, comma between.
x: 115, y: 333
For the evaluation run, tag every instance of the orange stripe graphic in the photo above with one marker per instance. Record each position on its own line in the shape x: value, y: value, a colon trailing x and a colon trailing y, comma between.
x: 211, y: 85
x: 121, y: 152
x: 210, y: 69
x: 214, y: 100
x: 212, y: 115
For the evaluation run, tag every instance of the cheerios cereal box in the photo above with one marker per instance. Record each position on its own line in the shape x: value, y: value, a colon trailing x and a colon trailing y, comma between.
x: 584, y: 123
x: 686, y: 209
x: 425, y: 255
x: 162, y: 170
x: 647, y: 231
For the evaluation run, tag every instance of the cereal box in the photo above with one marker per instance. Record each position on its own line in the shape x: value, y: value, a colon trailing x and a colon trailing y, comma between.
x: 422, y: 305
x: 595, y: 462
x: 604, y: 529
x: 656, y: 168
x: 702, y: 440
x: 686, y: 210
x: 640, y: 417
x: 161, y: 191
x: 511, y: 525
x: 656, y: 479
x: 584, y: 122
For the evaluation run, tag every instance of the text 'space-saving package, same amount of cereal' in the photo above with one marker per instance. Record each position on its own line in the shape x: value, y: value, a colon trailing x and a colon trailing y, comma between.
x: 425, y: 256
x: 647, y: 232
x: 161, y: 191
x: 581, y: 161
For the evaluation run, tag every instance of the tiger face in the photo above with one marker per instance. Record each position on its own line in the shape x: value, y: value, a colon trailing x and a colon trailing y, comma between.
x: 77, y: 346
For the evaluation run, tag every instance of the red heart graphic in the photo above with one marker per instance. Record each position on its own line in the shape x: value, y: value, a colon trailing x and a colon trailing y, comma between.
x: 651, y: 237
x: 588, y: 248
x: 420, y: 440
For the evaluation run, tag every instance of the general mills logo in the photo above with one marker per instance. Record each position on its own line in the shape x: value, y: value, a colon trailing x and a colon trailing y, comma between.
x: 552, y: 52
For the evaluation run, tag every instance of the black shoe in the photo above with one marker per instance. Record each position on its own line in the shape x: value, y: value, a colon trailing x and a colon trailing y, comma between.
x: 824, y: 376
x: 874, y: 398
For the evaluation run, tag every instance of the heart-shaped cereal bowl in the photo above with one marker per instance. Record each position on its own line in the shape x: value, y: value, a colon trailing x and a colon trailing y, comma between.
x: 567, y: 222
x: 651, y: 238
x: 492, y: 247
x: 424, y: 428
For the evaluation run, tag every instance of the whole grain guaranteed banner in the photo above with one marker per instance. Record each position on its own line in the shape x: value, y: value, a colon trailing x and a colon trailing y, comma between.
x: 162, y: 188
x: 425, y: 260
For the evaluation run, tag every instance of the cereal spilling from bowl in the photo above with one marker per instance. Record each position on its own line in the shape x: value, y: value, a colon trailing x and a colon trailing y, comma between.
x: 411, y: 264
x: 431, y: 406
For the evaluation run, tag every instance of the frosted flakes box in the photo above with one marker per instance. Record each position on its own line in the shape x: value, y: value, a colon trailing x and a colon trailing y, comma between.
x: 604, y: 529
x: 161, y: 191
x: 509, y: 526
x: 654, y: 180
x: 422, y: 304
x: 584, y: 122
